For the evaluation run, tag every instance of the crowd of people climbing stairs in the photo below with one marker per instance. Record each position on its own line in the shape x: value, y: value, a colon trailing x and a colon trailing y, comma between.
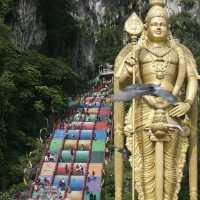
x: 72, y: 167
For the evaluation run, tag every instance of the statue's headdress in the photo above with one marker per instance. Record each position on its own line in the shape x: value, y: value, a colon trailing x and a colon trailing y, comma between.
x: 157, y: 10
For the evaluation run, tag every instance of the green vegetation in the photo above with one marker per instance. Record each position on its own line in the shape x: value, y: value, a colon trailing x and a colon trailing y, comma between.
x: 33, y: 88
x: 6, y: 7
x: 33, y: 92
x: 60, y: 26
x: 109, y: 43
x: 109, y: 186
x: 187, y: 30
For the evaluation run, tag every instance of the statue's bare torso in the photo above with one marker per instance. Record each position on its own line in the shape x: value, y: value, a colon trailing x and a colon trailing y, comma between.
x: 159, y: 66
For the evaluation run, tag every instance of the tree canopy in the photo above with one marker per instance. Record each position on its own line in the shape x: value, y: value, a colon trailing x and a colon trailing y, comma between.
x: 33, y: 87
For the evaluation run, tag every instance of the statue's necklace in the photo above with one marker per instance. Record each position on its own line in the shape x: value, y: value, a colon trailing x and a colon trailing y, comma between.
x: 160, y: 61
x: 160, y: 66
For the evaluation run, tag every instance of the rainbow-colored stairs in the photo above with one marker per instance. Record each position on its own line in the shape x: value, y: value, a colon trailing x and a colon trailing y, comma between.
x: 72, y: 168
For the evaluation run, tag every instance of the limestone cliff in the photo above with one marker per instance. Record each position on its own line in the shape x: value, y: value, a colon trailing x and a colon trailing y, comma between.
x: 92, y: 16
x: 28, y: 29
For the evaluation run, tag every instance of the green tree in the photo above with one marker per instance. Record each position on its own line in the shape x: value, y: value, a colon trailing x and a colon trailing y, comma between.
x: 109, y: 43
x: 60, y: 25
x: 33, y: 87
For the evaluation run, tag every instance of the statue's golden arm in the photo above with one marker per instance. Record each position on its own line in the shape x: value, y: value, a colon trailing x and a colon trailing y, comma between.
x: 191, y: 97
x: 119, y: 112
x: 192, y: 84
x: 126, y: 76
x: 182, y: 108
x: 191, y: 74
x: 191, y: 92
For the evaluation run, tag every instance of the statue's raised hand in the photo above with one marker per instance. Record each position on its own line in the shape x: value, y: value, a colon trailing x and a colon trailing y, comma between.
x: 180, y: 109
x: 131, y: 61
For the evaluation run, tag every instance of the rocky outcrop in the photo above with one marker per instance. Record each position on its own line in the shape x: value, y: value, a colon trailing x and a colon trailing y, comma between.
x: 92, y: 16
x: 28, y: 30
x: 196, y: 11
x: 174, y: 7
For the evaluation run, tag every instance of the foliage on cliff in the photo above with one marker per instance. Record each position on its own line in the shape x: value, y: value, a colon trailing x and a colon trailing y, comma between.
x: 33, y: 89
x: 109, y: 43
x: 60, y: 25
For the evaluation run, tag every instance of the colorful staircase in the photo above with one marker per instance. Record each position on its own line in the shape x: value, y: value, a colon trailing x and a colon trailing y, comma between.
x: 73, y: 165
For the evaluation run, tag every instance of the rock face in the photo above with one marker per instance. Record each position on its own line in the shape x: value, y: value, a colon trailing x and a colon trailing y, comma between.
x: 28, y: 30
x: 92, y: 16
x: 173, y: 6
x: 196, y: 11
x: 95, y: 14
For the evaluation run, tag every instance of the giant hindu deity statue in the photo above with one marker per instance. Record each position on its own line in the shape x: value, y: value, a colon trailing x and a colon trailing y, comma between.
x: 158, y: 135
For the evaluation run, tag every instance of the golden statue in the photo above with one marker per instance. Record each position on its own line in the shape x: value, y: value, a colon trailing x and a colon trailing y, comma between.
x: 158, y: 134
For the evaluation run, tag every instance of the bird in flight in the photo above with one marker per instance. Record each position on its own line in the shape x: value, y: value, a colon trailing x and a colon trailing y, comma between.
x: 138, y: 90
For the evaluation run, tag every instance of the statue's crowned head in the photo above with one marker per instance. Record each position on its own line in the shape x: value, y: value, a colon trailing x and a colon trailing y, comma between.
x: 157, y: 10
x: 157, y: 21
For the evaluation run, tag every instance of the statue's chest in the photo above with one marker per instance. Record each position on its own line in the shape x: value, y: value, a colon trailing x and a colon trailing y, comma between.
x: 159, y: 62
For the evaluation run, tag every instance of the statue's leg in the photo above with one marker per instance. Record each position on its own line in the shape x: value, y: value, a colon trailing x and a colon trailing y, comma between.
x: 148, y: 167
x: 144, y: 153
x: 138, y: 163
x: 170, y: 152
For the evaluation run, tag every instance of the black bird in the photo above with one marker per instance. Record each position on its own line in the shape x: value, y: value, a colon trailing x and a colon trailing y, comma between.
x: 139, y: 90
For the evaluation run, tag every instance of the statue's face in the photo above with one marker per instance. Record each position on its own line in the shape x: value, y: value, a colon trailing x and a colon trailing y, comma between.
x: 157, y: 29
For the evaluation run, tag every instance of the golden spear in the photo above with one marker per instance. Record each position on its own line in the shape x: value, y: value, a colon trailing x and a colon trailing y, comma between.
x: 134, y: 27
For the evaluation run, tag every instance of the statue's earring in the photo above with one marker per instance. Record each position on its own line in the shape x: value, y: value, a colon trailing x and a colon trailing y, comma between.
x: 145, y: 27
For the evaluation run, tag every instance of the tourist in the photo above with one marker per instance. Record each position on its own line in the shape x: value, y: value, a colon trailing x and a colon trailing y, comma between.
x: 82, y: 170
x: 77, y: 169
x: 87, y: 189
x: 73, y: 135
x: 36, y: 187
x: 94, y: 136
x: 82, y: 147
x: 92, y: 196
x: 107, y: 139
x: 46, y: 182
x: 47, y: 157
x: 69, y: 189
x: 93, y: 177
x: 107, y: 153
x: 38, y: 181
x: 66, y: 169
x: 72, y: 151
x: 62, y: 184
x: 52, y: 157
x: 60, y: 195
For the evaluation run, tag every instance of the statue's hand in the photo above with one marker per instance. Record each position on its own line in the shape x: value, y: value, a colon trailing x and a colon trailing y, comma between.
x: 156, y: 102
x: 180, y: 109
x: 131, y: 61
